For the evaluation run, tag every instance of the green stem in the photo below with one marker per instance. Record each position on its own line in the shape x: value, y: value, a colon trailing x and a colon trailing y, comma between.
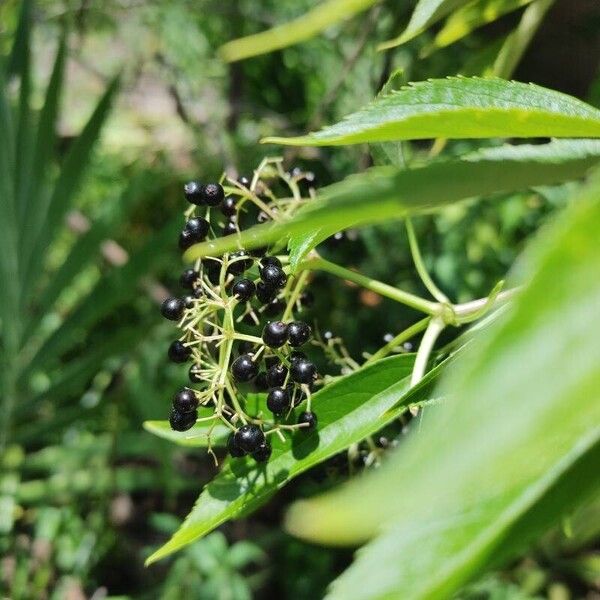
x: 383, y: 289
x: 399, y: 339
x: 295, y: 295
x: 420, y: 265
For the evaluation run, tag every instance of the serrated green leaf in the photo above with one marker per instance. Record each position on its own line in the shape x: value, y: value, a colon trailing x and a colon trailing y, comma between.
x: 459, y: 108
x: 196, y: 437
x: 514, y: 448
x: 386, y: 193
x: 475, y: 14
x: 348, y: 410
x: 426, y: 13
x: 321, y: 17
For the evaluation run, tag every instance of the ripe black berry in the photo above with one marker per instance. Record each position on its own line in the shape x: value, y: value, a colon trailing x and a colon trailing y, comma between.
x: 193, y: 192
x: 185, y: 240
x: 308, y: 417
x: 198, y: 228
x: 230, y: 228
x: 278, y: 400
x: 270, y: 260
x: 243, y: 289
x: 228, y: 207
x: 296, y: 355
x: 263, y: 452
x: 193, y: 375
x: 273, y: 275
x: 188, y: 301
x: 276, y: 375
x: 182, y: 421
x: 265, y: 292
x: 232, y: 447
x: 198, y: 292
x: 274, y: 334
x: 237, y: 267
x: 178, y: 352
x: 298, y: 333
x: 213, y: 194
x: 185, y: 400
x: 302, y: 371
x: 172, y: 309
x: 249, y: 437
x: 245, y: 347
x: 188, y: 278
x: 244, y: 368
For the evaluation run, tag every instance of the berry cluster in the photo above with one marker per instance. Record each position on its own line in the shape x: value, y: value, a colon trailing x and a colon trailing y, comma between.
x: 237, y: 318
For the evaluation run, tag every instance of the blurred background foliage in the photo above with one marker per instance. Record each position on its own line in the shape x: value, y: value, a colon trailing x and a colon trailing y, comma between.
x: 85, y: 492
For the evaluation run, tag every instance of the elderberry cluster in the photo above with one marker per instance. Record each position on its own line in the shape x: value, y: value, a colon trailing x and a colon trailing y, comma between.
x: 237, y: 320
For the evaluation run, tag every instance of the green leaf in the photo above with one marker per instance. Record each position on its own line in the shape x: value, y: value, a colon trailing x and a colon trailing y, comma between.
x: 321, y: 17
x: 426, y: 13
x: 34, y: 198
x: 196, y: 437
x: 514, y: 448
x: 475, y: 14
x: 386, y: 193
x: 349, y: 409
x: 460, y: 107
x: 19, y: 53
x: 114, y: 289
x: 52, y: 208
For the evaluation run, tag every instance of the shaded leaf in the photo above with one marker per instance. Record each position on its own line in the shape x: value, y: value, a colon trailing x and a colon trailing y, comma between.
x: 321, y: 17
x: 460, y: 107
x: 515, y: 446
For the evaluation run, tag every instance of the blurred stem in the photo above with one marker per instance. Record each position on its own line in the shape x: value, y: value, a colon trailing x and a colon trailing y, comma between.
x: 399, y: 339
x: 383, y: 289
x: 518, y: 41
x: 9, y: 396
x: 420, y: 265
x: 435, y: 327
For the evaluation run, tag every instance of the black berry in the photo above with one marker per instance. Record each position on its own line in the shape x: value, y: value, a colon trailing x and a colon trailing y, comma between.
x: 188, y: 278
x: 242, y: 262
x: 298, y: 333
x: 274, y: 334
x: 185, y: 240
x: 193, y: 192
x: 249, y: 437
x: 232, y: 447
x: 270, y: 260
x: 188, y: 301
x: 265, y: 292
x: 197, y: 227
x: 245, y: 347
x: 178, y: 352
x: 182, y: 421
x: 306, y: 299
x: 185, y: 400
x: 296, y: 355
x: 193, y: 375
x: 230, y: 228
x: 172, y: 309
x: 228, y: 207
x: 243, y: 289
x: 273, y: 275
x: 307, y: 417
x: 263, y: 452
x: 244, y: 368
x: 303, y: 371
x: 278, y: 400
x: 213, y: 194
x: 276, y: 375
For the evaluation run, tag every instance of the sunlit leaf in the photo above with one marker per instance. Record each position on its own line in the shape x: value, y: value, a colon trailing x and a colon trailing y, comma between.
x: 196, y: 437
x: 460, y: 107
